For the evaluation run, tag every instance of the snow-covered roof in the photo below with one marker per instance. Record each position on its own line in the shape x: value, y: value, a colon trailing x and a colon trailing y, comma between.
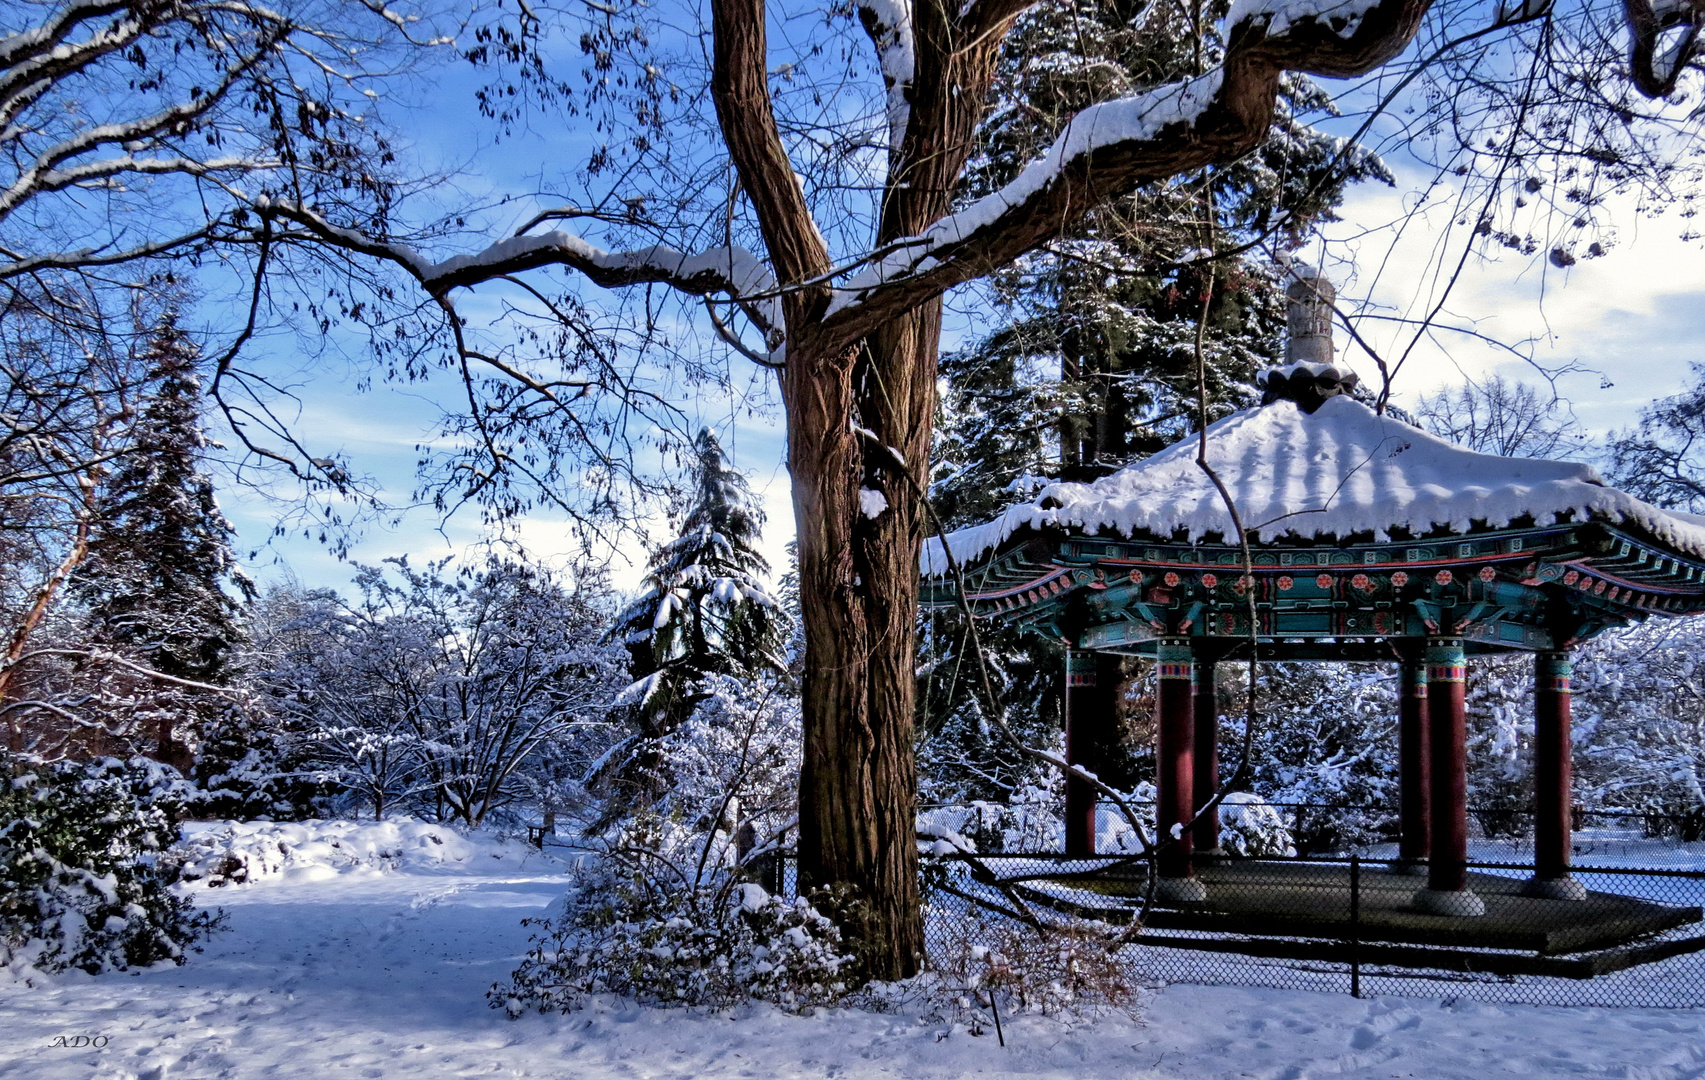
x: 1338, y: 471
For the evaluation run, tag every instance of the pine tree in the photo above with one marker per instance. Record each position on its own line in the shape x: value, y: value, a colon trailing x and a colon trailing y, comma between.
x: 704, y: 612
x: 160, y: 556
x: 1094, y: 362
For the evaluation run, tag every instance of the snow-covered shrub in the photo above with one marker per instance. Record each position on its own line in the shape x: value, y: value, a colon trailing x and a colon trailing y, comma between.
x: 1069, y: 968
x: 84, y: 881
x: 642, y: 924
x: 251, y: 765
x: 1113, y: 830
x: 1249, y: 827
x: 673, y: 908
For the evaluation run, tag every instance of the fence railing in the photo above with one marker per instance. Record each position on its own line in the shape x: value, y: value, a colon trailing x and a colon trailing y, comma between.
x: 1350, y: 925
x: 1344, y: 828
x: 1341, y: 925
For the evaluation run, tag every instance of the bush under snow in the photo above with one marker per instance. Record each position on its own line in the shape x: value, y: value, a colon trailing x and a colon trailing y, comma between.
x: 1252, y: 828
x: 639, y: 922
x: 85, y: 881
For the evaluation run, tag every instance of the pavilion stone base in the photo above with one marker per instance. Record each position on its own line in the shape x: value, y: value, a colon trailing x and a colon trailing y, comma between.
x: 1557, y: 888
x: 1180, y: 890
x: 1461, y: 903
x: 1409, y: 868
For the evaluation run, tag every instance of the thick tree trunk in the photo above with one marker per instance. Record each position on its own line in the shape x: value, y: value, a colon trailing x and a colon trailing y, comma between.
x: 859, y: 573
x: 858, y: 596
x: 871, y: 367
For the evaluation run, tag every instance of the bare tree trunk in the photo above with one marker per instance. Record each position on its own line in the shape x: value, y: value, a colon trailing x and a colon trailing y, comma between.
x: 858, y: 784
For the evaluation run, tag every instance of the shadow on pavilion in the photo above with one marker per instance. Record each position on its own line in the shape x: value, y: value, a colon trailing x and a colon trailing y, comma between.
x: 1372, y: 541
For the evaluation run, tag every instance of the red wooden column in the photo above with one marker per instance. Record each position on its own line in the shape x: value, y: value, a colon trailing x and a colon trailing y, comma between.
x: 1175, y: 730
x: 1552, y: 780
x: 1447, y: 891
x: 1206, y: 780
x: 1414, y: 771
x: 1083, y: 714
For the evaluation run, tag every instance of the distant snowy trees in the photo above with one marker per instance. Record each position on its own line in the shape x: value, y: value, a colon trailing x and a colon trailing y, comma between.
x: 1662, y: 458
x: 1504, y: 417
x: 454, y: 693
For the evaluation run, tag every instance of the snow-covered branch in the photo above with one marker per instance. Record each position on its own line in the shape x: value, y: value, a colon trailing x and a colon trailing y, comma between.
x: 1114, y: 146
x: 889, y: 24
x: 1664, y: 40
x: 732, y: 271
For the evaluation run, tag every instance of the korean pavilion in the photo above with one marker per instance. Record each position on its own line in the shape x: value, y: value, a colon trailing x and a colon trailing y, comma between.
x: 1372, y: 540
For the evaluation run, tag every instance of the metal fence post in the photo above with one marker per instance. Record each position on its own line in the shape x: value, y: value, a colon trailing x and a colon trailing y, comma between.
x: 1355, y: 926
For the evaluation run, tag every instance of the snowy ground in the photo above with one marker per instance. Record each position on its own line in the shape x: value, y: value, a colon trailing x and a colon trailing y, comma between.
x: 373, y: 972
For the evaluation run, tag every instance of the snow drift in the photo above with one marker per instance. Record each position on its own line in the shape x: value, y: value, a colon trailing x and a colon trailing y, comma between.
x: 235, y: 852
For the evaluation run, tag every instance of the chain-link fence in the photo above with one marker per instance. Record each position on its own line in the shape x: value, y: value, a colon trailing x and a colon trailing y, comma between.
x: 1636, y: 938
x: 1348, y: 925
x: 1496, y: 833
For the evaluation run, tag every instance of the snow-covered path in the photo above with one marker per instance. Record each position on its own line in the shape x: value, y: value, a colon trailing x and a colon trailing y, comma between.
x: 383, y: 975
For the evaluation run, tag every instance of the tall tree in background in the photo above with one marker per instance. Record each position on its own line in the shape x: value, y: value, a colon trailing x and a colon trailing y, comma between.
x: 1094, y: 364
x: 704, y: 612
x: 1504, y: 417
x: 160, y: 566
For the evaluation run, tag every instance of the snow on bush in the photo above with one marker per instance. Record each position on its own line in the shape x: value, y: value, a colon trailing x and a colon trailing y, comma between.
x: 1068, y: 969
x: 650, y: 920
x: 1250, y: 827
x: 84, y: 877
x: 1029, y: 820
x: 235, y: 852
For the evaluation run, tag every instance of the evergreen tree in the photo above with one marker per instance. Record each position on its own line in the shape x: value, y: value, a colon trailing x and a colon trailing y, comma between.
x: 154, y: 582
x: 704, y: 612
x: 1094, y: 363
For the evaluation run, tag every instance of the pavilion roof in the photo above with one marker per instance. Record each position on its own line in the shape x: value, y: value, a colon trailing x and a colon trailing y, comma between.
x: 1338, y: 472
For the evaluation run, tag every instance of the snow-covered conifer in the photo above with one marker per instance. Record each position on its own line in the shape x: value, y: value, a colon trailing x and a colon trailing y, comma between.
x: 703, y: 611
x: 160, y: 570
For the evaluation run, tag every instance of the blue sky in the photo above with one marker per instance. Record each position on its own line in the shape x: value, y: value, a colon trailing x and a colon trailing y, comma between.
x: 1633, y: 320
